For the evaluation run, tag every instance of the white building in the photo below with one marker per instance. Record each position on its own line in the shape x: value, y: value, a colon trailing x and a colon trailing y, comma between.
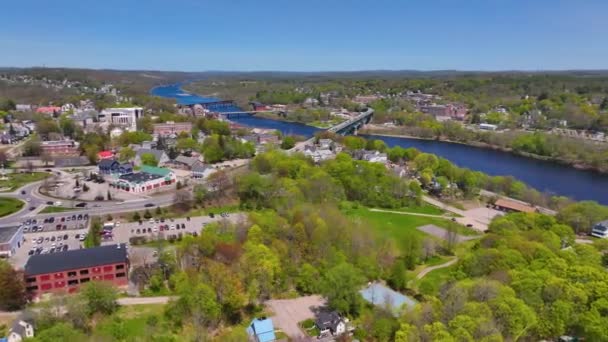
x: 20, y: 331
x: 375, y: 157
x: 123, y: 117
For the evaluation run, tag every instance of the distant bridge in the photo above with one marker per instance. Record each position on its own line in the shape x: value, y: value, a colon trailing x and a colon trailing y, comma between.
x: 353, y: 125
x: 213, y: 105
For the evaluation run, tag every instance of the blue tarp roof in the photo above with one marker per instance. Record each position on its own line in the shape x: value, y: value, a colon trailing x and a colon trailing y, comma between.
x: 379, y: 294
x: 263, y: 329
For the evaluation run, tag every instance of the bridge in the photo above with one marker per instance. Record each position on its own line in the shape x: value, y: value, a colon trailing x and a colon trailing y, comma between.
x: 213, y: 105
x: 351, y: 126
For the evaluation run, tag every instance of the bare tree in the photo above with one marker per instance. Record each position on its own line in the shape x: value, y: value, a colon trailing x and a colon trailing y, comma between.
x: 183, y: 199
x: 46, y: 158
x: 29, y: 166
x: 451, y: 238
x: 429, y: 248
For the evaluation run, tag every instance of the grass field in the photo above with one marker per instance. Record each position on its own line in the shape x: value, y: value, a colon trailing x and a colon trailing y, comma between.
x: 16, y: 180
x: 53, y: 209
x: 132, y: 323
x: 430, y: 284
x: 422, y: 209
x: 391, y: 225
x: 9, y: 205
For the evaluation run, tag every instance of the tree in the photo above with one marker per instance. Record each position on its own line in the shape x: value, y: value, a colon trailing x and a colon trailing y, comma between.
x: 147, y: 214
x: 3, y: 159
x: 149, y: 159
x: 100, y: 297
x: 398, y: 277
x: 288, y: 142
x: 136, y: 216
x: 200, y: 194
x: 13, y: 295
x: 126, y: 154
x: 340, y: 285
x: 183, y: 200
x: 109, y: 196
x: 60, y: 332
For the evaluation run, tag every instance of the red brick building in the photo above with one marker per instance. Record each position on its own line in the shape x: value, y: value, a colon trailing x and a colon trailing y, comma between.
x: 60, y: 148
x: 169, y: 128
x: 66, y: 271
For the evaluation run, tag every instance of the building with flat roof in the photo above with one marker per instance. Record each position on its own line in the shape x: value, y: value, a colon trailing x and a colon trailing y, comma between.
x: 172, y: 128
x: 11, y: 239
x: 510, y: 205
x: 60, y: 147
x: 149, y: 179
x: 66, y: 271
x: 123, y: 117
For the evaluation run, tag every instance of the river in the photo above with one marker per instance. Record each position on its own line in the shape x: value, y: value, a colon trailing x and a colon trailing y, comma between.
x: 544, y: 176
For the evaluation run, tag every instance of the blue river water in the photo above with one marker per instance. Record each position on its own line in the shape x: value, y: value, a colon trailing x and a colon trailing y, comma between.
x: 544, y: 176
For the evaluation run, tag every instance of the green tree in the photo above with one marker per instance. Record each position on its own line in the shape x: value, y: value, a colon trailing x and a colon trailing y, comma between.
x: 340, y: 285
x: 13, y: 295
x: 100, y: 297
x: 149, y: 159
x: 60, y: 332
x: 126, y: 154
x: 288, y: 142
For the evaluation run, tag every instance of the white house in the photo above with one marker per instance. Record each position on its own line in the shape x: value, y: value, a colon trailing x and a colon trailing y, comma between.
x: 20, y: 331
x: 202, y: 171
x: 375, y: 157
x: 330, y: 323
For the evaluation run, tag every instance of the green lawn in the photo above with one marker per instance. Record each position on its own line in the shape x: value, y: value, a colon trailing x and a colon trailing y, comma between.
x: 132, y: 323
x: 9, y: 205
x: 391, y: 225
x: 422, y: 209
x: 54, y: 209
x: 430, y: 284
x: 17, y: 180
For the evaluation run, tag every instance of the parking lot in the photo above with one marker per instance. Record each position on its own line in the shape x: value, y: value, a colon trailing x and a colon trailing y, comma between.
x: 52, y: 241
x: 153, y: 229
x: 59, y: 222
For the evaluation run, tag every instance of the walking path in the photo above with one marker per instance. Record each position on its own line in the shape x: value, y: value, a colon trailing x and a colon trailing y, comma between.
x: 428, y: 270
x: 409, y: 213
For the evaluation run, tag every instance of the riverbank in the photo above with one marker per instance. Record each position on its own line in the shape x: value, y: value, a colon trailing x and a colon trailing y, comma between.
x: 390, y: 132
x: 316, y: 124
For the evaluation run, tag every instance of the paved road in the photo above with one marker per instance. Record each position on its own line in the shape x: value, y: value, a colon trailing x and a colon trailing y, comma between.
x: 468, y: 217
x: 428, y: 270
x: 409, y: 213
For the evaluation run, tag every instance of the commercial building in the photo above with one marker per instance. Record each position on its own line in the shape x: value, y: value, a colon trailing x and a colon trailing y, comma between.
x: 172, y: 128
x: 454, y: 111
x: 52, y: 110
x: 11, y: 239
x: 513, y: 206
x: 66, y: 271
x: 60, y: 148
x: 600, y: 230
x: 123, y: 117
x: 150, y: 179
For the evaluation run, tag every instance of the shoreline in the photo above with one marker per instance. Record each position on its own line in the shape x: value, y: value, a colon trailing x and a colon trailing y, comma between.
x: 573, y: 164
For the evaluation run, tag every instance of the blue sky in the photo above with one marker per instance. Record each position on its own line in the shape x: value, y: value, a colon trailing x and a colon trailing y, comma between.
x: 311, y: 35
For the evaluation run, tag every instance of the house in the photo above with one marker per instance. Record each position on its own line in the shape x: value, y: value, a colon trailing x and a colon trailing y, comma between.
x: 23, y: 107
x: 261, y: 330
x: 11, y: 239
x: 52, y: 110
x: 330, y: 323
x: 66, y: 147
x: 66, y: 271
x: 107, y: 166
x: 375, y: 157
x: 184, y: 162
x: 200, y: 170
x: 259, y: 107
x: 318, y: 154
x: 160, y: 156
x: 600, y: 230
x: 105, y: 155
x: 510, y: 205
x: 150, y: 179
x: 400, y: 171
x: 20, y: 330
x: 326, y: 144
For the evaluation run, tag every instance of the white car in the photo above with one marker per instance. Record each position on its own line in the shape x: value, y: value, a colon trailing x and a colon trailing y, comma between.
x: 28, y: 199
x: 58, y: 203
x: 34, y: 242
x: 172, y: 227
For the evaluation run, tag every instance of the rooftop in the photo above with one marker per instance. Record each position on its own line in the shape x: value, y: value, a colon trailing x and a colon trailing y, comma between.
x: 7, y: 233
x: 515, y: 205
x: 263, y: 329
x: 75, y: 259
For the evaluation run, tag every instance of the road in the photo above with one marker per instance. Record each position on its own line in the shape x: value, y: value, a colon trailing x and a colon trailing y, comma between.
x: 428, y: 270
x: 36, y: 199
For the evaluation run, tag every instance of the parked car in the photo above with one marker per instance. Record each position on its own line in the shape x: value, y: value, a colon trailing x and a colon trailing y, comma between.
x: 149, y: 205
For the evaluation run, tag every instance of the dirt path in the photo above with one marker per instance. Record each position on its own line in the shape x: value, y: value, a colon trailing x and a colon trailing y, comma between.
x: 409, y: 213
x: 428, y: 270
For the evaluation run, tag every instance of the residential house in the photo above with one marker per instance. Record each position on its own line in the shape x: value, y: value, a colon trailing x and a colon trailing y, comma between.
x: 66, y: 271
x: 24, y: 107
x: 201, y: 171
x: 20, y: 330
x: 183, y: 162
x: 161, y: 157
x: 113, y: 167
x: 330, y: 323
x: 600, y: 229
x: 259, y: 107
x: 49, y: 110
x: 375, y: 157
x: 317, y: 154
x: 105, y: 155
x: 261, y: 330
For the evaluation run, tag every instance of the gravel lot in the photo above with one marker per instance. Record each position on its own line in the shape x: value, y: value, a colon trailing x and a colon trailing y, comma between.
x: 288, y: 312
x: 441, y: 233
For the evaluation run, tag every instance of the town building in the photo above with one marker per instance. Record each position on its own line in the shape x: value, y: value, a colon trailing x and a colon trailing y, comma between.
x: 123, y: 117
x: 451, y: 110
x: 170, y: 128
x: 11, y: 239
x: 183, y: 162
x: 113, y: 167
x: 513, y: 206
x: 161, y: 157
x: 201, y: 171
x: 60, y: 147
x: 600, y: 230
x: 105, y: 155
x: 66, y: 271
x: 375, y: 157
x: 149, y: 179
x: 330, y: 323
x: 49, y: 110
x: 20, y: 330
x: 259, y: 107
x: 24, y: 108
x: 366, y: 99
x: 261, y: 330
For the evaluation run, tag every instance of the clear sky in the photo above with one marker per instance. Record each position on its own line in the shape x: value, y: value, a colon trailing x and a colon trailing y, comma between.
x: 306, y: 35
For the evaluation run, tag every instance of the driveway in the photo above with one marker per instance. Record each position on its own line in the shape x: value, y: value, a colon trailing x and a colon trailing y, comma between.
x: 288, y: 312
